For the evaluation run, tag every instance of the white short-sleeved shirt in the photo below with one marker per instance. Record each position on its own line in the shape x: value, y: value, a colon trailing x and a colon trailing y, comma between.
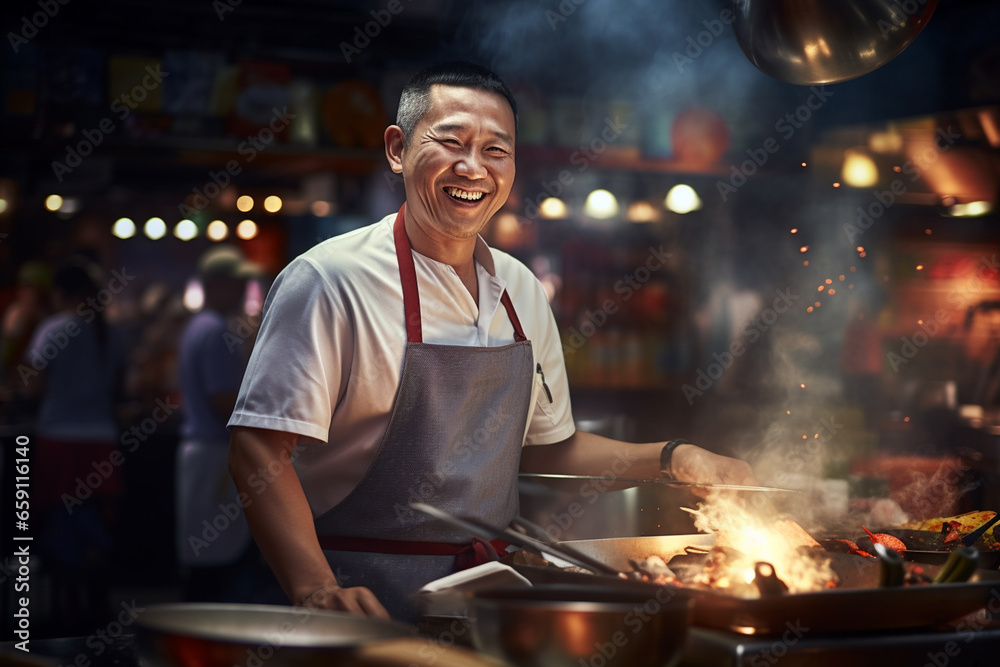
x: 328, y: 358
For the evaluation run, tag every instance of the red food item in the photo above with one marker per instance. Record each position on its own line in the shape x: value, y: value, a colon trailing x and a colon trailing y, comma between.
x: 953, y: 535
x: 854, y: 549
x: 885, y: 540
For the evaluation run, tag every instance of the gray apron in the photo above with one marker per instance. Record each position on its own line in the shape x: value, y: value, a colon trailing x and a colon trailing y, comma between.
x: 453, y: 441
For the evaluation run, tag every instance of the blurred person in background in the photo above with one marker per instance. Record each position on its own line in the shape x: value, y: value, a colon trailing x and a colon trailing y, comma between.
x: 28, y: 305
x: 213, y: 539
x: 151, y: 381
x: 74, y: 364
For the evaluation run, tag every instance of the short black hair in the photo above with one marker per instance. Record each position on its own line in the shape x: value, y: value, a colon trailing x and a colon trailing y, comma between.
x: 414, y: 100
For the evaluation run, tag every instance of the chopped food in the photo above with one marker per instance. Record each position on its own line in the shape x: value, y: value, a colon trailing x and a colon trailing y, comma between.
x: 886, y: 540
x: 847, y: 547
x: 961, y: 524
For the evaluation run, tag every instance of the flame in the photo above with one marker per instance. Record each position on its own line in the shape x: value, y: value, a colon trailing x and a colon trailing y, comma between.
x: 752, y: 535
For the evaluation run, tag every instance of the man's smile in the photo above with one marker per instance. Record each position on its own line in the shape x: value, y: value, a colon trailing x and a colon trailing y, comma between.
x: 464, y: 195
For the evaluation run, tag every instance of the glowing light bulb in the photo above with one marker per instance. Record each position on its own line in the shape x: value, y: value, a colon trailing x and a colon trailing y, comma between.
x: 246, y: 230
x: 682, y: 199
x: 155, y: 228
x: 123, y: 228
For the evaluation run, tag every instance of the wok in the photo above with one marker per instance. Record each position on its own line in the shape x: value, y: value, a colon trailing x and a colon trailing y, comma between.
x: 861, y: 608
x: 928, y: 546
x: 223, y: 635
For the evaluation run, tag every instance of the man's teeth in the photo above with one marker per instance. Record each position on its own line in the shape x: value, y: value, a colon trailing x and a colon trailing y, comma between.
x: 462, y: 194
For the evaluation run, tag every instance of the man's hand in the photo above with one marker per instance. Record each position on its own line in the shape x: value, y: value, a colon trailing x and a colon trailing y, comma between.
x: 357, y: 600
x: 690, y: 463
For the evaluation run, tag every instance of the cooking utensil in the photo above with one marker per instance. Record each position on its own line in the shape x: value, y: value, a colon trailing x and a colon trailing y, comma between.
x: 927, y: 546
x: 480, y: 529
x: 890, y: 572
x: 657, y: 480
x: 766, y: 580
x: 961, y: 565
x: 861, y: 608
x: 223, y: 635
x: 570, y: 625
x: 974, y: 536
x: 826, y: 42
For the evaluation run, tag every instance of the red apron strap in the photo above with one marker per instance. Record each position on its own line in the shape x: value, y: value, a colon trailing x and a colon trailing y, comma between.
x: 518, y: 331
x: 408, y: 277
x: 466, y: 555
x: 411, y: 297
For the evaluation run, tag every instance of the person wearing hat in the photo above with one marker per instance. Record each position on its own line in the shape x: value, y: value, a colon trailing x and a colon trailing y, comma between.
x: 211, y: 534
x: 407, y: 360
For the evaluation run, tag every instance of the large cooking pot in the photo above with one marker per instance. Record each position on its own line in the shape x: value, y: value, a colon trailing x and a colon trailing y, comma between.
x: 223, y: 635
x: 569, y: 625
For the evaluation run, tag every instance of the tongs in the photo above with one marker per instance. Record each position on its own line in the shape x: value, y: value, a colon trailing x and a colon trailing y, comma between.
x: 536, y: 546
x: 654, y: 480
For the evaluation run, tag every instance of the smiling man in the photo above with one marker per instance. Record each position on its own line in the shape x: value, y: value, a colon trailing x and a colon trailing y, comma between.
x: 409, y: 361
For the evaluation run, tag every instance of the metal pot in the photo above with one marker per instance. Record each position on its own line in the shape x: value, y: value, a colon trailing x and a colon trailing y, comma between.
x: 223, y: 635
x: 816, y: 41
x: 569, y: 625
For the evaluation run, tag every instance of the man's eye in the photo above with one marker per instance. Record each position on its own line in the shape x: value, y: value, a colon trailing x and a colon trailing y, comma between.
x: 450, y: 141
x: 497, y: 149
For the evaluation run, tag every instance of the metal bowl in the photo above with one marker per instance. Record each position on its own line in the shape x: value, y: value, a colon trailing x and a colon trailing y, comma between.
x: 812, y: 42
x: 223, y: 635
x: 567, y: 626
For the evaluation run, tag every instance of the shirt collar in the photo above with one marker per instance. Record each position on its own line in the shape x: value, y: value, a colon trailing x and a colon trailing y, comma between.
x: 484, y: 256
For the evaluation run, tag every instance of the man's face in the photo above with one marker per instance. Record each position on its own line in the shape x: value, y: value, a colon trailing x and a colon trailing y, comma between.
x: 458, y: 167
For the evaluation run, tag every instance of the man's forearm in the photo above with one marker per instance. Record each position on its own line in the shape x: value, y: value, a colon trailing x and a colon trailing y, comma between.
x: 589, y: 454
x: 277, y: 510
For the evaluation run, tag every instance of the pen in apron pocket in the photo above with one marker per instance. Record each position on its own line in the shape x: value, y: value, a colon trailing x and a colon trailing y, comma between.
x: 538, y: 369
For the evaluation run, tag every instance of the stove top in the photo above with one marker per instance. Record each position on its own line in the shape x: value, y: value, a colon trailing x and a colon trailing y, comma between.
x: 961, y: 645
x: 794, y: 648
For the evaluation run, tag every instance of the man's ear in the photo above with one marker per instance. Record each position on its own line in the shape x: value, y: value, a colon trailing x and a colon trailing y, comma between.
x: 395, y: 142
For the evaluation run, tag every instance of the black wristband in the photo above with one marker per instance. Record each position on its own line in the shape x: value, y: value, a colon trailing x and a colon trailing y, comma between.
x: 667, y: 453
